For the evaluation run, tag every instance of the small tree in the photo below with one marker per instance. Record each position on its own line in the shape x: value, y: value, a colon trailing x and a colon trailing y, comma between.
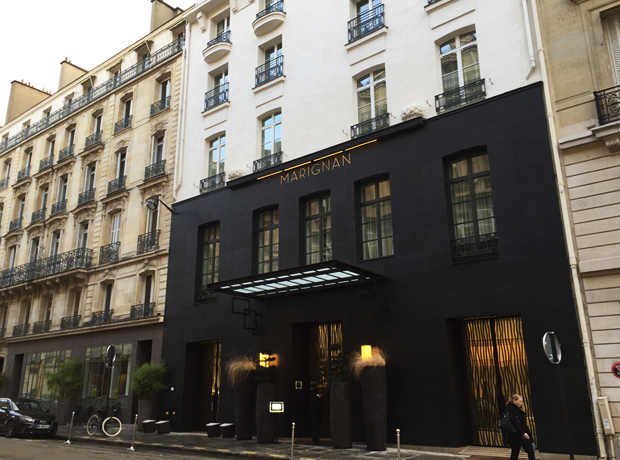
x: 338, y: 364
x: 148, y: 380
x: 266, y: 371
x: 67, y: 380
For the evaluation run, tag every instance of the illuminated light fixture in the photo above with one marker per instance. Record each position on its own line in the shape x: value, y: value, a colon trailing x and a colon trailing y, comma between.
x: 366, y: 351
x: 297, y: 166
x: 330, y: 155
x: 269, y: 175
x: 359, y: 145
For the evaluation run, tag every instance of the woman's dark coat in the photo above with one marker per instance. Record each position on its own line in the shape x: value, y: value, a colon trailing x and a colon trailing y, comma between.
x: 518, y: 420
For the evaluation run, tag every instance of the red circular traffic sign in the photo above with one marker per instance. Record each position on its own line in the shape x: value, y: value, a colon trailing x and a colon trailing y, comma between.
x: 615, y: 369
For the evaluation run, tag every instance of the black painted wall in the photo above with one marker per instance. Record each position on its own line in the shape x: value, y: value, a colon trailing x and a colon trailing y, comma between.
x: 425, y: 292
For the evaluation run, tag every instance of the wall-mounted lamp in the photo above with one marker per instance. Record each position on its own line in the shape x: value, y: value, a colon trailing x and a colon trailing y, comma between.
x: 152, y: 204
x: 267, y: 360
x: 366, y: 351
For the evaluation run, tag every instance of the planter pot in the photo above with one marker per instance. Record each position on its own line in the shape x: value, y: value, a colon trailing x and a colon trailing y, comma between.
x: 245, y: 408
x: 374, y: 403
x: 340, y: 415
x: 145, y: 411
x: 264, y: 420
x: 65, y: 407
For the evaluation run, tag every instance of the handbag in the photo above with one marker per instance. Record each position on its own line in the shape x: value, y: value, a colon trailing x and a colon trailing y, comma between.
x: 506, y: 425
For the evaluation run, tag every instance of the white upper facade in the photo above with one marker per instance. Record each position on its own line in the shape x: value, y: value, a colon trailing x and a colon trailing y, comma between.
x: 294, y: 77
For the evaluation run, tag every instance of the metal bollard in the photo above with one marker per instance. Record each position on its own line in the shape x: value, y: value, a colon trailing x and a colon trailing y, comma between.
x: 293, y: 441
x: 135, y: 424
x: 398, y: 442
x: 68, y: 441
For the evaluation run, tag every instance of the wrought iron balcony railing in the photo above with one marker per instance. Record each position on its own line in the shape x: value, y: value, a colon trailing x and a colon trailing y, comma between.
x: 116, y: 185
x: 2, y: 332
x: 93, y: 139
x: 70, y: 322
x: 142, y: 310
x: 458, y: 97
x: 148, y: 242
x: 213, y: 183
x: 223, y: 37
x: 155, y: 170
x: 46, y: 163
x: 109, y: 253
x: 216, y: 96
x: 4, y: 182
x: 205, y: 294
x: 275, y: 6
x: 41, y: 327
x: 67, y: 152
x: 15, y: 224
x: 366, y: 22
x: 369, y: 126
x: 267, y: 162
x: 123, y: 124
x: 76, y: 104
x: 608, y: 105
x: 160, y: 106
x: 475, y: 246
x: 101, y: 317
x: 270, y: 70
x: 20, y: 329
x: 58, y: 207
x: 38, y: 215
x: 23, y: 174
x: 86, y: 196
x: 40, y: 268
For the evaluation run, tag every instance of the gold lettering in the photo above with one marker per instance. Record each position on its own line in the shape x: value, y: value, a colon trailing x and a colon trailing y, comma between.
x: 294, y: 176
x: 335, y: 164
x: 344, y: 158
x: 302, y: 173
x: 326, y: 165
x: 312, y: 170
x: 284, y: 178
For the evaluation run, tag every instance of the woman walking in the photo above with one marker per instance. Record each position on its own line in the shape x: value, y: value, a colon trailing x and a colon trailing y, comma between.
x: 522, y: 437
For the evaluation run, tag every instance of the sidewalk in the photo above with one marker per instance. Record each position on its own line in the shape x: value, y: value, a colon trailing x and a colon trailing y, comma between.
x: 200, y: 444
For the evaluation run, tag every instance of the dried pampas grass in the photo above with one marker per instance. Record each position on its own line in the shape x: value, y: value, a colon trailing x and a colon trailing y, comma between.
x: 357, y: 363
x: 238, y: 368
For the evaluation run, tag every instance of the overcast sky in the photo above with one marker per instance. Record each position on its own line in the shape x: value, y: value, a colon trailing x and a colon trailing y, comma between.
x: 37, y: 34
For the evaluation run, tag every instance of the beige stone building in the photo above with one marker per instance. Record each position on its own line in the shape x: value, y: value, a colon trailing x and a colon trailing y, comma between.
x: 82, y: 259
x: 581, y: 51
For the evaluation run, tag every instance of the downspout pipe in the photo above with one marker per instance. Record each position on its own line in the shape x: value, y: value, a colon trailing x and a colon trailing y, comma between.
x: 530, y: 44
x: 180, y: 147
x: 568, y: 232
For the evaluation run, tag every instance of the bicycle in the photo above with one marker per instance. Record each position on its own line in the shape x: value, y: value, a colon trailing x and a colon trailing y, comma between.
x: 101, y: 422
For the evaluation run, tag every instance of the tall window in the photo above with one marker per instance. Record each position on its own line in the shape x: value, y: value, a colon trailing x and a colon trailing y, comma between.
x: 71, y: 139
x: 271, y: 138
x: 164, y: 90
x: 75, y: 307
x: 318, y: 222
x: 12, y: 256
x: 115, y: 229
x: 152, y: 219
x: 89, y: 176
x: 44, y: 195
x: 34, y: 250
x: 121, y: 165
x: 97, y: 377
x: 157, y: 153
x: 62, y: 189
x: 376, y: 219
x: 127, y: 106
x: 459, y: 61
x: 371, y: 95
x: 211, y: 255
x: 471, y: 198
x: 223, y: 26
x: 34, y: 385
x: 7, y: 170
x: 54, y: 243
x: 268, y: 240
x: 98, y: 122
x: 50, y: 147
x: 82, y: 237
x: 22, y: 205
x: 217, y: 155
x: 107, y: 297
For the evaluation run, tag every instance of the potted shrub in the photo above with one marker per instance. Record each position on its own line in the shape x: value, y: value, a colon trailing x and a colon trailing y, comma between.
x: 66, y: 382
x: 147, y: 381
x: 238, y: 370
x: 266, y: 391
x: 370, y: 372
x: 339, y: 398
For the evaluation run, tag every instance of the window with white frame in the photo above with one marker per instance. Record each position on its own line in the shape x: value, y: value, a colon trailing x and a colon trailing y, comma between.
x: 152, y: 219
x: 12, y: 256
x: 54, y: 243
x: 82, y: 235
x: 271, y: 135
x: 164, y: 90
x: 34, y: 250
x: 98, y: 124
x: 217, y: 155
x: 50, y: 147
x: 89, y: 176
x: 157, y: 152
x: 459, y: 61
x: 63, y: 183
x: 223, y: 26
x: 71, y: 138
x: 121, y: 164
x: 22, y: 204
x: 115, y: 228
x: 612, y: 27
x: 371, y: 95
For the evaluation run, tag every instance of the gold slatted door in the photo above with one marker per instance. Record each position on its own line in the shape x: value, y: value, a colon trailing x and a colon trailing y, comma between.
x: 496, y: 368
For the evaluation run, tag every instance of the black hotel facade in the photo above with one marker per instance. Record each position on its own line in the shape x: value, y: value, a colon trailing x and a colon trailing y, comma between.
x: 439, y: 241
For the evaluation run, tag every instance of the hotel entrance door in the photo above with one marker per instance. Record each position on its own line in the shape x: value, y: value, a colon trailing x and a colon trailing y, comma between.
x: 496, y: 365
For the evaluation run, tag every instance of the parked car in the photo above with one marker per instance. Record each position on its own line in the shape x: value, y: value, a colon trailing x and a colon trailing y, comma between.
x: 26, y: 416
